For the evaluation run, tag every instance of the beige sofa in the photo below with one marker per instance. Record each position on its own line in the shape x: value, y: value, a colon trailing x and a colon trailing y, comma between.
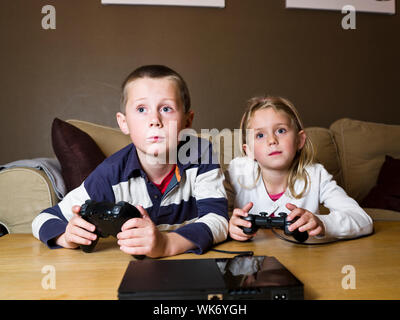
x: 352, y: 151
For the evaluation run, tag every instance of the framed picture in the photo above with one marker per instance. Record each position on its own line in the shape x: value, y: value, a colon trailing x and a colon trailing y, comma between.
x: 191, y: 3
x: 378, y: 6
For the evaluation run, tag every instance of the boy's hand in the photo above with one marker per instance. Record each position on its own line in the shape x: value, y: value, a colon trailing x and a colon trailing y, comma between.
x: 306, y: 221
x: 140, y: 236
x: 78, y: 231
x: 236, y: 222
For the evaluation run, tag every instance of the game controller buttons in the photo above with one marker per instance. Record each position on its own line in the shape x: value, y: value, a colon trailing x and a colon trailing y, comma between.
x: 263, y: 221
x: 107, y: 218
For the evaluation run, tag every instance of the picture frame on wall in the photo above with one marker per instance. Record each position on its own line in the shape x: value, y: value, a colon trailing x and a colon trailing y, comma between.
x: 376, y: 6
x: 190, y: 3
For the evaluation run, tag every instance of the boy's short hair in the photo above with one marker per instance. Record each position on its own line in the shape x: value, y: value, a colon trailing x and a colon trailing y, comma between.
x: 157, y: 72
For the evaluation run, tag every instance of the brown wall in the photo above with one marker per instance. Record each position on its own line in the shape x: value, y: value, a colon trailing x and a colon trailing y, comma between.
x: 226, y: 55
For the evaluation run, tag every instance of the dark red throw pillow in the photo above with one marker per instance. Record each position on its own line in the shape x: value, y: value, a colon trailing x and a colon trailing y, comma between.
x: 386, y: 193
x: 76, y: 151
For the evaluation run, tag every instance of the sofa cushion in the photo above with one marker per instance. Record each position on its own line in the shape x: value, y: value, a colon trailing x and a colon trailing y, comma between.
x: 24, y: 192
x: 76, y: 151
x: 382, y: 214
x: 226, y: 143
x: 109, y: 140
x: 326, y: 151
x: 386, y: 193
x: 362, y: 147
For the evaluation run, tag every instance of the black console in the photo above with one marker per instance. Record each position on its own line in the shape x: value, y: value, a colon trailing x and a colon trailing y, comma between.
x: 3, y: 230
x: 262, y: 221
x: 242, y: 277
x: 107, y: 217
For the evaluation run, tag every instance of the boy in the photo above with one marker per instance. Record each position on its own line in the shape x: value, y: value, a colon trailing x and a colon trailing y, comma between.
x: 187, y: 198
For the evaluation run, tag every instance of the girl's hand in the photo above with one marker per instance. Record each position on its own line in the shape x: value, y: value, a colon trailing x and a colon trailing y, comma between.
x: 306, y: 221
x: 78, y: 231
x: 236, y: 222
x: 140, y: 236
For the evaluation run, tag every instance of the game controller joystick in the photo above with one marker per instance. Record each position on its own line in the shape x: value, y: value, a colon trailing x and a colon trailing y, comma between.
x: 262, y: 221
x: 107, y: 217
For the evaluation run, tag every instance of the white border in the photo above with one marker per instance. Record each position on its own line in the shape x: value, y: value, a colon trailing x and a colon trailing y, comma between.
x: 191, y: 3
x: 387, y: 6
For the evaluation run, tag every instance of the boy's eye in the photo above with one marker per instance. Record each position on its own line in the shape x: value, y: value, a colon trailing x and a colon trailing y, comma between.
x: 281, y: 130
x: 166, y: 109
x: 140, y: 109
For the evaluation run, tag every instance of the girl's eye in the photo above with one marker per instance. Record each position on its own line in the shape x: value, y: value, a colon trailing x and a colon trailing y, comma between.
x: 140, y: 109
x: 259, y: 135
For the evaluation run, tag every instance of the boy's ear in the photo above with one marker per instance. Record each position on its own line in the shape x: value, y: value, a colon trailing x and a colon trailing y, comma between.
x: 121, y: 119
x: 302, y: 136
x: 189, y: 119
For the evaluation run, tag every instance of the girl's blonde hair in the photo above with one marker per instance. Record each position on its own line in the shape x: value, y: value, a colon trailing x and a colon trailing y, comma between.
x: 303, y: 158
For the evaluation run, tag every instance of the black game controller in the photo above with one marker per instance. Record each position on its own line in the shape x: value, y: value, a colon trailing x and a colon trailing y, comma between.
x: 107, y: 217
x: 262, y: 221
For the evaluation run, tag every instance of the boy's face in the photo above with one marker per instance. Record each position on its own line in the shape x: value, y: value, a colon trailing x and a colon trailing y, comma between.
x: 154, y: 116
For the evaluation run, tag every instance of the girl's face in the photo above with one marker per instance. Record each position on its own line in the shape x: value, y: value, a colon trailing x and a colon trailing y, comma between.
x: 273, y: 140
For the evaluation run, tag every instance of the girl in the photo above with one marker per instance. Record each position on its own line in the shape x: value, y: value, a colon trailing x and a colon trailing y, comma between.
x: 278, y: 174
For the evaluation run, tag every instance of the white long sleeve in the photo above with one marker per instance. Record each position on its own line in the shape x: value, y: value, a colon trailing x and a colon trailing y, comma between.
x: 346, y: 219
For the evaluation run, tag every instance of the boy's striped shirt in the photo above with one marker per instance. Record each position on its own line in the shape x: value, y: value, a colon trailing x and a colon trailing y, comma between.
x: 194, y: 204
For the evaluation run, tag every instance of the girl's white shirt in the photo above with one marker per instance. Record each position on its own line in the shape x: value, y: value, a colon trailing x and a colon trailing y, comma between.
x: 346, y: 219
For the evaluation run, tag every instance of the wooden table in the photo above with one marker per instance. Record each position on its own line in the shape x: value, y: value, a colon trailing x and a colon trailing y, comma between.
x: 78, y: 275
